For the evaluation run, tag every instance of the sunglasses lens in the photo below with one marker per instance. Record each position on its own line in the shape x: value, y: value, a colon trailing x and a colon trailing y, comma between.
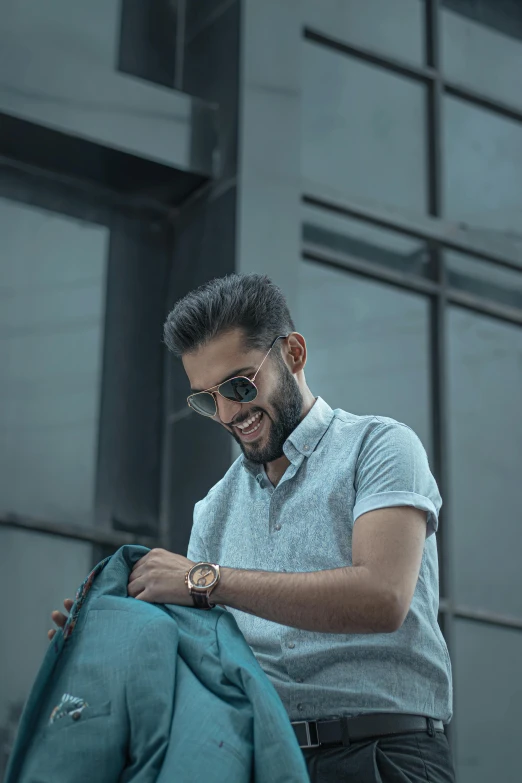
x: 238, y: 390
x: 203, y: 403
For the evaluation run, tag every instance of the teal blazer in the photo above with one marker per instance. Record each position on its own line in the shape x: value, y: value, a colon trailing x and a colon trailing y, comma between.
x: 139, y: 693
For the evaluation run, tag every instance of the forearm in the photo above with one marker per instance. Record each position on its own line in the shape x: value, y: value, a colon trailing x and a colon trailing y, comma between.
x: 342, y: 600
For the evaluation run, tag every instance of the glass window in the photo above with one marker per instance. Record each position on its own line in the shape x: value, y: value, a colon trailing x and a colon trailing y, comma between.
x: 485, y: 448
x: 489, y: 281
x: 488, y: 703
x: 368, y: 346
x: 56, y: 567
x: 364, y: 130
x: 52, y: 292
x: 55, y: 31
x: 364, y: 241
x: 395, y: 29
x: 482, y: 46
x: 483, y: 161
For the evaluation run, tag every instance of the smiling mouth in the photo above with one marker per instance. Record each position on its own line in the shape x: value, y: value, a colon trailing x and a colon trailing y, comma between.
x: 251, y: 426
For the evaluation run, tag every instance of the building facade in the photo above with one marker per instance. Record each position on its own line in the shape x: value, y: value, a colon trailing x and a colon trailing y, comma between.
x: 367, y: 156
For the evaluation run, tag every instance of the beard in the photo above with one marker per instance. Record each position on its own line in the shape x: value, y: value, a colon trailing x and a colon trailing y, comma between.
x: 287, y: 404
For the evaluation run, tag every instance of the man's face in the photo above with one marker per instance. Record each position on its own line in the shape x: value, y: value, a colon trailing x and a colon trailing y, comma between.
x: 279, y: 399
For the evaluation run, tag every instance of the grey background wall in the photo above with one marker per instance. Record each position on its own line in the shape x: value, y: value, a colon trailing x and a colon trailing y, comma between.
x: 364, y: 154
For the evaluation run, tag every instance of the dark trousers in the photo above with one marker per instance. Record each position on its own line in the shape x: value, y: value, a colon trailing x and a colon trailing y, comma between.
x: 402, y: 758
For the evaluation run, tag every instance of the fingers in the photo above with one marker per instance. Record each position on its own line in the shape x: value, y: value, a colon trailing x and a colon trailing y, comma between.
x: 59, y: 618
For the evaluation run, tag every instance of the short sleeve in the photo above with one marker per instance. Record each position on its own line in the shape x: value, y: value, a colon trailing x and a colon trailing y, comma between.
x: 197, y: 551
x: 392, y: 470
x: 196, y: 548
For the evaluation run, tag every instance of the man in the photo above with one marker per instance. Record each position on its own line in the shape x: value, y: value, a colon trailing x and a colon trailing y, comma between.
x: 324, y: 531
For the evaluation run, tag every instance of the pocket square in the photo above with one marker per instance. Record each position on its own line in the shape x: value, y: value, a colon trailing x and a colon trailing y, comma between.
x: 67, y: 705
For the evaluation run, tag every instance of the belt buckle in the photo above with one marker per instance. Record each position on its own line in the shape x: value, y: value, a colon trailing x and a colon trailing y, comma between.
x: 307, y: 725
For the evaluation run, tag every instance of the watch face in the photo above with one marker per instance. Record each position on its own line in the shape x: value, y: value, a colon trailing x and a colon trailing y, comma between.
x: 203, y: 575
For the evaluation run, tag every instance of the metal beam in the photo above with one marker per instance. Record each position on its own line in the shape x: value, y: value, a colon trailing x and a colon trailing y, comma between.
x: 434, y: 119
x: 480, y: 615
x: 485, y: 307
x: 491, y: 104
x: 113, y: 110
x: 91, y: 535
x: 428, y: 74
x: 371, y: 56
x: 452, y: 235
x: 347, y: 262
x: 55, y: 191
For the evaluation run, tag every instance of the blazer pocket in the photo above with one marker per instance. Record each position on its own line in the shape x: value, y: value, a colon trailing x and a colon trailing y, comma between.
x: 76, y: 718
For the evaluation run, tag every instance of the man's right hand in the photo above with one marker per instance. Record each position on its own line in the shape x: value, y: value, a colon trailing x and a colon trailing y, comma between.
x: 59, y: 618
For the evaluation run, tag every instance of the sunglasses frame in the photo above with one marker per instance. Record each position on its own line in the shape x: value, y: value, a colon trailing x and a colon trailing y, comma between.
x: 234, y: 377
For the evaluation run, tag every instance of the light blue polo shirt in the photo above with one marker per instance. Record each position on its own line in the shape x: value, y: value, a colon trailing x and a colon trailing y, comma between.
x: 342, y: 466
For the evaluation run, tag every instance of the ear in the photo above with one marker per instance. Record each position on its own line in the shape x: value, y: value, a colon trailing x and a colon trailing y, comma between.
x: 295, y: 352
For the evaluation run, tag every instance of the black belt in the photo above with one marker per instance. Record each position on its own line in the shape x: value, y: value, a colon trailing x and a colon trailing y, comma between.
x: 342, y: 731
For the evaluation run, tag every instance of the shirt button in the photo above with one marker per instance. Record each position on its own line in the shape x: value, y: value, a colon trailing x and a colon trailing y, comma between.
x: 277, y: 527
x: 291, y: 645
x: 305, y: 448
x: 300, y: 707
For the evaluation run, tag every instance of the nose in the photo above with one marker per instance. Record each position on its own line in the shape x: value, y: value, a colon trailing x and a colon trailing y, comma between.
x: 227, y: 410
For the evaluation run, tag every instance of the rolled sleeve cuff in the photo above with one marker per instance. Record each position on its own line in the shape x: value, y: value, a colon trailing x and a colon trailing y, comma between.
x: 394, y: 499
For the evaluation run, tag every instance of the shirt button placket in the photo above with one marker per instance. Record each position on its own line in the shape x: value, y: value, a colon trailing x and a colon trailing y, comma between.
x: 273, y: 514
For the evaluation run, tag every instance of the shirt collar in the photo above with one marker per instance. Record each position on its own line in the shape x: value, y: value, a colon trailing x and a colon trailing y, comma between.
x: 304, y: 439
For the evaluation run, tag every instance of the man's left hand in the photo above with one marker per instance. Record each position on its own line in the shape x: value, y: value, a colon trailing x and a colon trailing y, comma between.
x: 159, y: 578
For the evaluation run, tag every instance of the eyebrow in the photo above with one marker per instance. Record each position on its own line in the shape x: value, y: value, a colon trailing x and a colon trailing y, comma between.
x: 241, y: 371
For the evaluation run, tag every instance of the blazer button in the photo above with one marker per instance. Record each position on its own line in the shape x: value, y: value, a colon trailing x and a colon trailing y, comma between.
x: 76, y: 715
x: 277, y: 527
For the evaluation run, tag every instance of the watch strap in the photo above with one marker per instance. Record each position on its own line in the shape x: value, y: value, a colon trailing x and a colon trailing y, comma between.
x: 201, y: 600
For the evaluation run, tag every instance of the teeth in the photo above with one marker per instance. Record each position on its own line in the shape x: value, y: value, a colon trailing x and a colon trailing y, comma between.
x: 249, y: 422
x: 250, y: 432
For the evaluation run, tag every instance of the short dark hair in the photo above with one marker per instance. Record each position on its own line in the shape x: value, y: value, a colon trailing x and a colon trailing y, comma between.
x: 252, y: 303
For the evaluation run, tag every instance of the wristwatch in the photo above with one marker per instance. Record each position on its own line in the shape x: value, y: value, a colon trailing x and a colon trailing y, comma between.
x: 201, y: 579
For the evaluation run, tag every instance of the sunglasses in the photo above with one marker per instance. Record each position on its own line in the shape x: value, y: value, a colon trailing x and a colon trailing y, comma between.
x: 239, y: 389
